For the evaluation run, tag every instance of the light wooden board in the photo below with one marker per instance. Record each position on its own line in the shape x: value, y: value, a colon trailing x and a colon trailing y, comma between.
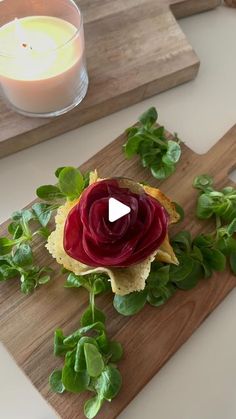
x: 134, y: 50
x: 27, y: 323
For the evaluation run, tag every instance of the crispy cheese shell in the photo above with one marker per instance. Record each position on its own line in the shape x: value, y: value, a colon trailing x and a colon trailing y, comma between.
x: 164, y: 201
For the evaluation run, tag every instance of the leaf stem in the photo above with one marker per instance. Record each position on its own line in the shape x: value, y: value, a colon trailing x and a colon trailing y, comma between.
x: 155, y: 140
x: 218, y: 221
x: 92, y: 303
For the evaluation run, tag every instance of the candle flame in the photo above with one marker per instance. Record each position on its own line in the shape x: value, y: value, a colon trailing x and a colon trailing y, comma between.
x: 21, y: 36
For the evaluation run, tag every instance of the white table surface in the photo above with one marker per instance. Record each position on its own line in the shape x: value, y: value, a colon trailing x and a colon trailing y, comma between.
x: 199, y: 382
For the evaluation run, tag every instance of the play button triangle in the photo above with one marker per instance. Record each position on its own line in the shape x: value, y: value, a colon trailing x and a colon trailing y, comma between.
x: 116, y: 210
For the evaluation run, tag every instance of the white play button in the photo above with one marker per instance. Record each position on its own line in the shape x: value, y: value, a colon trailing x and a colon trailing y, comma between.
x: 117, y: 210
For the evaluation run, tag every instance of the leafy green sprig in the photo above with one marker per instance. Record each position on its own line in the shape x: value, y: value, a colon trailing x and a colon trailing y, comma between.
x: 211, y: 202
x: 95, y: 284
x: 70, y: 184
x: 16, y: 251
x: 89, y: 355
x: 151, y: 144
x: 221, y: 205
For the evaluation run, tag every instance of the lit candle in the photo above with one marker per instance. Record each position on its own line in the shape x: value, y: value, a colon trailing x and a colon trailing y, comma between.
x: 42, y: 65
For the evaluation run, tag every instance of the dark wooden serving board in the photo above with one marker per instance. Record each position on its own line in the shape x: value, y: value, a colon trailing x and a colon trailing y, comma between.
x: 134, y: 49
x: 149, y: 338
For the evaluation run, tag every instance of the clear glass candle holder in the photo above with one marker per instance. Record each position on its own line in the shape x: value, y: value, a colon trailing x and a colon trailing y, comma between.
x: 42, y: 56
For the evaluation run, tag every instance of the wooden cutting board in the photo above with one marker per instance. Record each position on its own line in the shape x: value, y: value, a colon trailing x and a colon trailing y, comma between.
x: 134, y: 50
x: 151, y: 337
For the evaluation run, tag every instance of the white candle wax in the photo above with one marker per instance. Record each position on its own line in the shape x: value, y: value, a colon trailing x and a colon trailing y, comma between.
x: 41, y: 63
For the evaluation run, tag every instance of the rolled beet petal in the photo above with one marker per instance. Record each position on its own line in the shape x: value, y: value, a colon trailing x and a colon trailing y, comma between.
x: 92, y: 239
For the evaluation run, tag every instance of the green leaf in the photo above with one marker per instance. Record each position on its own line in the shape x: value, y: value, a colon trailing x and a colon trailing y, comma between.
x: 71, y: 182
x: 203, y: 182
x: 16, y: 215
x: 204, y: 206
x: 132, y: 145
x: 159, y: 132
x: 158, y: 276
x: 5, y: 260
x: 109, y: 383
x: 94, y: 360
x: 73, y: 339
x: 80, y: 362
x: 27, y: 215
x: 86, y: 179
x: 192, y: 279
x: 197, y: 254
x: 92, y: 407
x: 45, y: 270
x: 215, y: 259
x: 131, y: 131
x: 55, y: 381
x: 103, y: 342
x: 92, y: 315
x: 232, y: 261
x: 6, y: 245
x: 130, y: 304
x: 149, y: 159
x: 226, y: 245
x: 173, y: 152
x: 215, y: 194
x: 184, y: 239
x: 44, y: 279
x: 180, y: 211
x: 149, y: 117
x: 72, y: 281
x: 229, y: 190
x: 73, y: 381
x: 15, y: 230
x: 162, y: 172
x: 8, y: 272
x: 160, y: 295
x: 222, y: 206
x: 181, y: 271
x: 116, y: 351
x: 230, y: 214
x: 101, y: 285
x: 28, y: 285
x: 203, y: 240
x: 163, y: 274
x: 207, y: 270
x: 43, y: 213
x: 231, y: 229
x: 23, y: 256
x: 12, y: 273
x: 60, y: 348
x: 58, y: 171
x: 147, y: 146
x: 49, y: 193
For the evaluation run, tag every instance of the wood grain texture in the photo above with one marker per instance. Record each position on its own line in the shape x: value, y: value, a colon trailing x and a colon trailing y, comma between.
x: 134, y: 50
x: 231, y: 3
x: 27, y: 323
x: 184, y: 8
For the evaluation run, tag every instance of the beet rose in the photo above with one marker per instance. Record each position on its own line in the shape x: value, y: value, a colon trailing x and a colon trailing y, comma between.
x: 92, y: 239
